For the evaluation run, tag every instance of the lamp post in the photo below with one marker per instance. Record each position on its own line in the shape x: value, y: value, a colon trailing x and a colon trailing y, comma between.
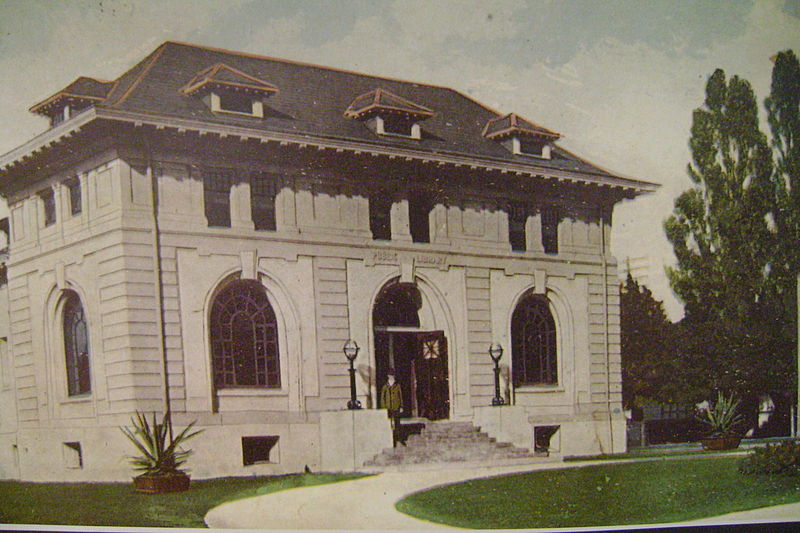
x: 496, y: 352
x: 350, y: 350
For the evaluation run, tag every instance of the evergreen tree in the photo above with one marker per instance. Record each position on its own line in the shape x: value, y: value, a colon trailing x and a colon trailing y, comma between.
x: 719, y: 230
x: 723, y: 231
x: 783, y: 114
x: 648, y: 367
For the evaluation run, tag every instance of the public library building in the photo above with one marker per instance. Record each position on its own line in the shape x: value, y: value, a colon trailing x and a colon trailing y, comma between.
x: 206, y: 232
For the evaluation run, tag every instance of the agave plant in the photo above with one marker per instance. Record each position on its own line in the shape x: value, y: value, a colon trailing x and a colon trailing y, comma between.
x: 160, y: 451
x: 721, y: 417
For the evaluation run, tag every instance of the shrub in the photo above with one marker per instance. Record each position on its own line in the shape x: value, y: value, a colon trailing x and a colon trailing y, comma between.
x: 721, y: 417
x: 160, y: 453
x: 783, y: 458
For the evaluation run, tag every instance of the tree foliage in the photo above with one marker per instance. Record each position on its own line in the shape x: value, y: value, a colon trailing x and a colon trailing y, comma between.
x: 783, y: 115
x: 735, y: 236
x: 720, y: 230
x: 647, y: 364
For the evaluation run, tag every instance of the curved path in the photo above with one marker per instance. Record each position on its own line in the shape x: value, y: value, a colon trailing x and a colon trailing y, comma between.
x: 368, y: 503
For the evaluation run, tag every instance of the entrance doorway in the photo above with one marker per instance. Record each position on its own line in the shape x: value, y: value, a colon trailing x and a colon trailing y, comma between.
x: 418, y: 358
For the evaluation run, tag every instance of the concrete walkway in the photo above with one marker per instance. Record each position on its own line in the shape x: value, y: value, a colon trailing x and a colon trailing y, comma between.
x: 368, y: 503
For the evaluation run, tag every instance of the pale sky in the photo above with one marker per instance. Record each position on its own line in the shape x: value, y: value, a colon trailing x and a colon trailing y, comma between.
x: 618, y: 79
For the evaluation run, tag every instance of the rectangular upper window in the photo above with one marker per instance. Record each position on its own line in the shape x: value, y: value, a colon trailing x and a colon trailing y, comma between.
x: 217, y: 195
x: 419, y: 210
x: 380, y: 216
x: 74, y: 188
x: 48, y: 206
x: 517, y: 220
x: 550, y: 220
x: 263, y: 195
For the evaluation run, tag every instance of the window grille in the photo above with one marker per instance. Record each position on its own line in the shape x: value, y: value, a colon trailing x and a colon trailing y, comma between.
x: 76, y: 346
x: 419, y: 210
x: 74, y: 187
x: 244, y: 338
x: 49, y: 206
x: 517, y: 219
x: 380, y: 216
x: 550, y: 220
x: 533, y: 343
x: 217, y: 195
x: 263, y: 195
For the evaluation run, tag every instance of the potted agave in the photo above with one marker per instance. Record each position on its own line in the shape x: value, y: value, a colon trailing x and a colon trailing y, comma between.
x: 722, y: 421
x: 160, y: 454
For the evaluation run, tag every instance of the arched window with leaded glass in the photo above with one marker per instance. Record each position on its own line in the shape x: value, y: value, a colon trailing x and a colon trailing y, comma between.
x: 76, y: 345
x: 533, y: 343
x: 244, y: 338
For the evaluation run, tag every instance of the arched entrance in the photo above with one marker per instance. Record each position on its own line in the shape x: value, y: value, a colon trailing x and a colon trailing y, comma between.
x: 418, y: 357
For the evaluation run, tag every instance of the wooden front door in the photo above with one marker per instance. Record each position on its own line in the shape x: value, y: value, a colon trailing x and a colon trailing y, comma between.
x: 431, y: 377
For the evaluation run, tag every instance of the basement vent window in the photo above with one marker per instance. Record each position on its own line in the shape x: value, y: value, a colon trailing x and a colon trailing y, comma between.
x: 257, y: 450
x: 545, y: 439
x: 73, y: 455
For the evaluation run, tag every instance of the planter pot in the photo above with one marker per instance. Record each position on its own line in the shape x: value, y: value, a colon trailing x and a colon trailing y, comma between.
x: 720, y: 443
x: 159, y: 484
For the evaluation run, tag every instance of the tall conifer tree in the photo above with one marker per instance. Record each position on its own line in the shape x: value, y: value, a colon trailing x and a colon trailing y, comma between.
x: 725, y: 240
x: 719, y: 229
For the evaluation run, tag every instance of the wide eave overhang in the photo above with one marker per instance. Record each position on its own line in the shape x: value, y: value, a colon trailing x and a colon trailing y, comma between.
x: 623, y: 186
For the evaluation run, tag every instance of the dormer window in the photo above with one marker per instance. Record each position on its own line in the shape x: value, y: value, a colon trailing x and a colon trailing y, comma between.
x: 73, y: 99
x: 520, y: 136
x: 528, y: 146
x: 228, y: 90
x: 388, y: 114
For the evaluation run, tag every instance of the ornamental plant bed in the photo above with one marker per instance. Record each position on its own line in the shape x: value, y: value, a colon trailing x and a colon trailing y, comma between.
x: 720, y: 443
x: 161, y: 483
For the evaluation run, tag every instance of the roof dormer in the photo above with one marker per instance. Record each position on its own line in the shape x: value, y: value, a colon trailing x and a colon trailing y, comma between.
x: 228, y: 90
x: 521, y: 136
x: 72, y: 99
x: 386, y: 113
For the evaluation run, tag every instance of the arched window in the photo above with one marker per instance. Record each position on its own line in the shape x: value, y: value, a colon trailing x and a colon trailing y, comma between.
x: 76, y: 345
x: 533, y: 343
x: 397, y: 305
x: 244, y: 338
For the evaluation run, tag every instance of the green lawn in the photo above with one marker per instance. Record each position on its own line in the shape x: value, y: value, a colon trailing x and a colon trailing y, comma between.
x: 602, y: 495
x: 115, y: 504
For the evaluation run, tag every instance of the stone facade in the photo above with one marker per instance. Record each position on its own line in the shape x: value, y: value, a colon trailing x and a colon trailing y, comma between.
x: 147, y: 266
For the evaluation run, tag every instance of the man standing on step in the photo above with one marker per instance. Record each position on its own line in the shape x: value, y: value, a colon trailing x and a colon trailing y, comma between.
x: 392, y: 400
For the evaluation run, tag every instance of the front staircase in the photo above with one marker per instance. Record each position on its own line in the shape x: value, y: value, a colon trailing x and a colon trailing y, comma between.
x: 451, y: 445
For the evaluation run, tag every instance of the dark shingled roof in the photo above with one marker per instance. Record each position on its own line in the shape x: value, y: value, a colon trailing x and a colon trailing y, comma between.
x: 88, y: 89
x: 381, y: 100
x: 312, y: 101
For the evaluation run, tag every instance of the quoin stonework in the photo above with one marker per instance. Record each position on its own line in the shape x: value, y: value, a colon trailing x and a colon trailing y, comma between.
x: 206, y: 232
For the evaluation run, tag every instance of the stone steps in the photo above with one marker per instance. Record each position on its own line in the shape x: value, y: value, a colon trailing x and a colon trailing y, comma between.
x: 450, y: 445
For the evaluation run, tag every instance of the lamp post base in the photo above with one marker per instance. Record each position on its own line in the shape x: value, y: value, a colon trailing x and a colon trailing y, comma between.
x: 354, y: 404
x: 498, y: 401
